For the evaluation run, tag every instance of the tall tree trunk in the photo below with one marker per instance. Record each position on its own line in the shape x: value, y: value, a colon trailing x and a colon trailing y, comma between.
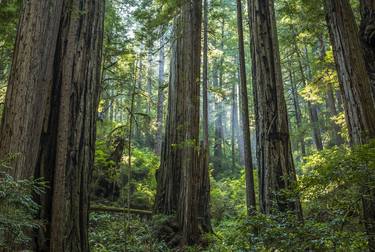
x: 275, y: 162
x: 149, y: 141
x: 149, y: 82
x: 138, y: 98
x: 204, y: 188
x: 239, y: 131
x: 50, y: 112
x: 355, y: 87
x: 179, y: 176
x: 250, y: 191
x: 219, y: 129
x: 160, y: 104
x: 235, y: 127
x: 367, y: 38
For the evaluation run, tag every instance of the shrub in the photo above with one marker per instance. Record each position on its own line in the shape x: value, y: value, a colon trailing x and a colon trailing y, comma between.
x: 18, y: 210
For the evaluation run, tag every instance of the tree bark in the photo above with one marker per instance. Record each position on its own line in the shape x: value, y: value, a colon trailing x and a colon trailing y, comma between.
x: 356, y: 91
x: 235, y: 128
x: 179, y: 176
x: 160, y: 104
x: 218, y: 143
x: 367, y: 38
x: 244, y: 108
x: 50, y: 112
x: 204, y: 188
x: 275, y: 162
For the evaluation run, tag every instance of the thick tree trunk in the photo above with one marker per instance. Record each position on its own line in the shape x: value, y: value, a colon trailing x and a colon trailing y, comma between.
x: 50, y: 113
x: 355, y: 87
x: 250, y: 191
x: 160, y: 104
x: 367, y: 38
x: 275, y: 162
x: 179, y: 177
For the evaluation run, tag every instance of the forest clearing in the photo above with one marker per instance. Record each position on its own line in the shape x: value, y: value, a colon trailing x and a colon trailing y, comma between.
x: 187, y: 125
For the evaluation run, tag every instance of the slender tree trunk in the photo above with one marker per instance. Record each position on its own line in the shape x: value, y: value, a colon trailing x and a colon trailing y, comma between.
x: 235, y: 127
x: 313, y: 109
x: 218, y: 147
x: 250, y: 191
x: 355, y: 87
x: 204, y: 190
x: 138, y: 100
x: 336, y: 139
x: 275, y: 162
x: 50, y: 112
x: 221, y: 112
x: 179, y: 178
x: 149, y: 141
x: 239, y: 131
x: 149, y: 82
x: 160, y: 105
x: 297, y: 110
x: 367, y: 39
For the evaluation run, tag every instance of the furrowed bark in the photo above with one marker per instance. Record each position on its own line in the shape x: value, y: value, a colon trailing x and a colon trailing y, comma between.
x: 275, y: 162
x: 50, y: 115
x: 355, y: 87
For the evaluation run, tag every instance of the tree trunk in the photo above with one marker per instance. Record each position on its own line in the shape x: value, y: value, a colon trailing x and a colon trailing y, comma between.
x: 235, y: 128
x: 275, y: 162
x: 355, y: 87
x: 250, y: 191
x: 160, y: 105
x: 50, y: 112
x: 218, y: 144
x: 179, y: 177
x: 204, y: 189
x: 297, y: 111
x: 367, y: 39
x: 149, y: 82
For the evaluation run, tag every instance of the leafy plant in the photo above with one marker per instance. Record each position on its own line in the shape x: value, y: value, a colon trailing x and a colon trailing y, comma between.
x: 18, y: 209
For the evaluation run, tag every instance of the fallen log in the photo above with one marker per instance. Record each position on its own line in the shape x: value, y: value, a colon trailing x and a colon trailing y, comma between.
x: 99, y: 208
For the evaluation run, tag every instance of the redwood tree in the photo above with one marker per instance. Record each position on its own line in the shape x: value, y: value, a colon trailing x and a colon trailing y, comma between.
x: 275, y: 162
x: 244, y: 112
x: 356, y: 91
x: 50, y: 112
x: 179, y: 177
x: 367, y: 39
